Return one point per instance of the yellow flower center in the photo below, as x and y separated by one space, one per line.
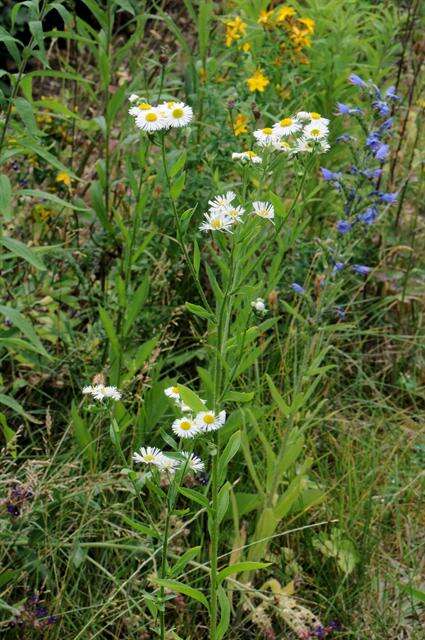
233 213
315 132
144 106
177 113
315 116
175 390
262 213
171 104
209 419
216 223
149 457
286 122
267 131
250 154
151 117
185 425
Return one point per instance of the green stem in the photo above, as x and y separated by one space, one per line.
179 230
163 572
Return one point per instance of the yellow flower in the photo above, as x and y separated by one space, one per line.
258 81
64 177
235 29
240 124
246 46
284 12
264 17
308 23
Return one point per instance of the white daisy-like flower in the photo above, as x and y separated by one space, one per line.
172 392
282 145
303 145
185 427
234 213
263 209
192 462
318 119
286 127
151 120
303 116
259 305
139 108
209 421
216 221
133 97
178 114
264 137
248 156
100 392
168 465
315 131
324 146
149 455
219 203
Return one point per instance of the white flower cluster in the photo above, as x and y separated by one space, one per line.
222 213
304 132
100 392
187 426
149 118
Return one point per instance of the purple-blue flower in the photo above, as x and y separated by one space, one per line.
343 109
297 288
330 175
357 80
390 93
373 140
361 269
343 226
382 107
382 152
369 216
389 198
387 125
372 173
344 138
338 266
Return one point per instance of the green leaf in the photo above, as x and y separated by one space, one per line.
239 567
197 310
108 325
26 113
178 165
180 587
190 398
178 186
223 501
82 435
10 437
5 197
13 404
37 193
224 602
184 560
194 496
238 396
25 327
36 29
21 250
278 398
139 526
229 452
138 299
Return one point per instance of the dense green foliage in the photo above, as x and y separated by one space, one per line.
308 510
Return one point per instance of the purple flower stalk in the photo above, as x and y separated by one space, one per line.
391 94
297 288
382 152
361 269
330 175
369 216
357 80
343 226
382 107
388 198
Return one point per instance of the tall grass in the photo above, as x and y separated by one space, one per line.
305 514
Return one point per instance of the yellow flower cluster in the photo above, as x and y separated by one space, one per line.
258 81
235 29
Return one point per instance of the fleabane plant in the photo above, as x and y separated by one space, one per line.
237 225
